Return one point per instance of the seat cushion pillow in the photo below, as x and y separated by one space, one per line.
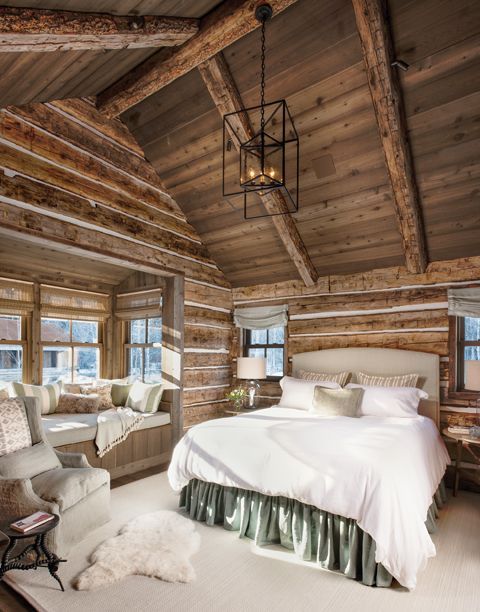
68 486
104 392
143 397
47 395
120 393
72 403
14 427
29 462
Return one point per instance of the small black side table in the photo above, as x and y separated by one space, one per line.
43 557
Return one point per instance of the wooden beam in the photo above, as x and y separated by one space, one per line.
219 81
226 24
377 46
33 29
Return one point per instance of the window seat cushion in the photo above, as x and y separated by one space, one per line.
62 429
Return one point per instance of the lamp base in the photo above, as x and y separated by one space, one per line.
251 387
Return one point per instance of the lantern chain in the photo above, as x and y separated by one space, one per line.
262 82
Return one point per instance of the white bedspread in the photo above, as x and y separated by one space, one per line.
383 472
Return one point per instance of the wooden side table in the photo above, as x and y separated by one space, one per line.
466 442
42 556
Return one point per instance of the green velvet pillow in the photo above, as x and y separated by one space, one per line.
120 393
336 402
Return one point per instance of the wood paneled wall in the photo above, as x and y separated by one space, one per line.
75 181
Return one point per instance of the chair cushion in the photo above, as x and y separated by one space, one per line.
68 486
28 462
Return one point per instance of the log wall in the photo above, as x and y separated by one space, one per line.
73 180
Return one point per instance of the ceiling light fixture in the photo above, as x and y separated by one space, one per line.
266 147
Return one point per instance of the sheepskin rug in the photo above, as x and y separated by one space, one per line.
158 544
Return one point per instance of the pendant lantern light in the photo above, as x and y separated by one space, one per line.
261 144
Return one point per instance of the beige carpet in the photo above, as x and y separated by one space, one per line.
234 576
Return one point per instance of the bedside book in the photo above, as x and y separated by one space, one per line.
30 522
459 429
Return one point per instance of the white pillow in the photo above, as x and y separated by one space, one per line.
389 401
144 397
297 393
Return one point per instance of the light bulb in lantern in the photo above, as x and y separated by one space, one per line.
251 173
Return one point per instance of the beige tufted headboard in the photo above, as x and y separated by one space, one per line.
380 361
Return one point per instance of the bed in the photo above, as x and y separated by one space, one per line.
356 495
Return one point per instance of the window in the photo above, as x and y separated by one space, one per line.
11 348
269 343
143 352
466 346
70 350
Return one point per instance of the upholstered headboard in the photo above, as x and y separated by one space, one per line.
380 361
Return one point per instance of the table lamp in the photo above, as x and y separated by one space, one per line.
472 383
251 369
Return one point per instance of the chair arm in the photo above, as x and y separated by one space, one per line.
18 499
72 460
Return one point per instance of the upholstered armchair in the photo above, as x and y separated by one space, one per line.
36 477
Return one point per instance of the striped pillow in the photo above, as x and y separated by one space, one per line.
370 380
340 377
143 397
48 395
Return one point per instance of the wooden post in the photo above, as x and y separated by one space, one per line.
172 350
36 350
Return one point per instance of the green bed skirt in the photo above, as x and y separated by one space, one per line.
334 542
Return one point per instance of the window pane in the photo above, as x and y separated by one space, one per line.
55 330
256 352
472 328
85 331
275 362
57 364
86 363
10 328
155 330
276 335
11 360
153 367
258 336
137 331
135 362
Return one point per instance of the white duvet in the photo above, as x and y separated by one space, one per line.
383 472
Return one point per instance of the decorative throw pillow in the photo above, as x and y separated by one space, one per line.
143 397
104 393
336 402
72 388
120 393
340 377
72 403
14 428
3 392
389 401
297 393
370 380
47 395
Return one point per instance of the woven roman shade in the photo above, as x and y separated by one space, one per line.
73 303
138 304
464 302
16 297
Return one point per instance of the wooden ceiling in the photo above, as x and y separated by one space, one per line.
347 218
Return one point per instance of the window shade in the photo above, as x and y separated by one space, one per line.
73 303
139 304
262 317
16 297
464 302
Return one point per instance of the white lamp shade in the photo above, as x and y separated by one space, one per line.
251 368
472 375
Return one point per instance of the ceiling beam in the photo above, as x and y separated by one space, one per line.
378 55
32 29
219 81
226 24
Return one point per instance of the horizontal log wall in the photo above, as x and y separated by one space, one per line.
72 179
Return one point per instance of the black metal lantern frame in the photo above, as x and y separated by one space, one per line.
268 156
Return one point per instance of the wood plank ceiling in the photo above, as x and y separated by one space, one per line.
347 215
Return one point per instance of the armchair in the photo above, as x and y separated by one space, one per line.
39 478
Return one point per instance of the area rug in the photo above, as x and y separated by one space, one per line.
158 544
235 576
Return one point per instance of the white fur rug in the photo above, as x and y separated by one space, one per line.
158 544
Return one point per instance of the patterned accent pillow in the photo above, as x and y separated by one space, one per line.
370 380
104 392
72 403
3 393
14 428
340 377
143 397
47 395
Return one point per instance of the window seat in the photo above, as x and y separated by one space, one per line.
62 429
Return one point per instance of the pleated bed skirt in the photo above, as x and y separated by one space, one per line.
334 542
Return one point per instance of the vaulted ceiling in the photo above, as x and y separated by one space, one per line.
347 217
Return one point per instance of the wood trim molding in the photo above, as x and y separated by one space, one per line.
39 30
224 92
226 24
378 54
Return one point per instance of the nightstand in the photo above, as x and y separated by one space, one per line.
464 441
